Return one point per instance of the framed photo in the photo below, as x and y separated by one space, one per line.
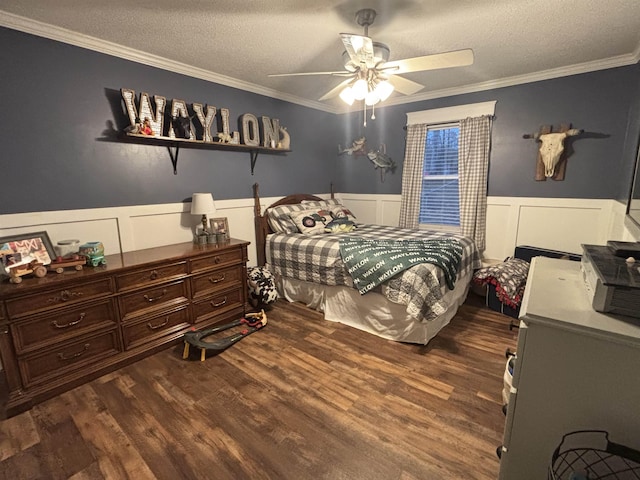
25 248
220 225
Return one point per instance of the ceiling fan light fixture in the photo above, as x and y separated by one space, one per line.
347 95
360 89
384 89
371 98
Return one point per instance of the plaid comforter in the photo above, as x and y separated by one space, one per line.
316 259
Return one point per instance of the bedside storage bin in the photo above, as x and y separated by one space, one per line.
524 252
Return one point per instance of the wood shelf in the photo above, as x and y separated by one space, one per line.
174 145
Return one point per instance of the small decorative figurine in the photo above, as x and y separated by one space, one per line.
145 129
93 252
224 137
285 139
357 148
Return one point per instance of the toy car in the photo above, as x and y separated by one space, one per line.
93 252
17 271
60 263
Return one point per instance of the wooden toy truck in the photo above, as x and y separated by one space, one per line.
60 263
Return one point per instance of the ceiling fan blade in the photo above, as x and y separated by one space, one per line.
458 58
359 48
335 91
402 85
338 73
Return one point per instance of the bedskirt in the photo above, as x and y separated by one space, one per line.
373 312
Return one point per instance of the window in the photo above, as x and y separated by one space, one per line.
439 198
431 182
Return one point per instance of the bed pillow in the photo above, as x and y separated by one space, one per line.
340 225
279 217
341 211
312 221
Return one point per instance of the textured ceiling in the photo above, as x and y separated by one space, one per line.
239 43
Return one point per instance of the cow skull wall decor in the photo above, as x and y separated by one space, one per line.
552 148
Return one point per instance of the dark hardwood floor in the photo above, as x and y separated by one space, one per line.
303 398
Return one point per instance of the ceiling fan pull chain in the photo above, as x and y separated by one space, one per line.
373 111
365 112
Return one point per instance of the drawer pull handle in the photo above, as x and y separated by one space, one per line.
219 304
64 296
216 259
155 327
154 275
217 280
62 356
153 299
70 324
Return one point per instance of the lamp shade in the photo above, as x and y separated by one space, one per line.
359 89
347 96
384 89
202 204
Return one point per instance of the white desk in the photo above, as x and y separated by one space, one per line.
576 369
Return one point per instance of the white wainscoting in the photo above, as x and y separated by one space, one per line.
122 229
554 223
559 224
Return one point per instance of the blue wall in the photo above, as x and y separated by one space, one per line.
604 104
60 101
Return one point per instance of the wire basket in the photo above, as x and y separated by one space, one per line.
589 455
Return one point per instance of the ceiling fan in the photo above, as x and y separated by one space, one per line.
369 74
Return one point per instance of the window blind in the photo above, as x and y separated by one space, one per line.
439 199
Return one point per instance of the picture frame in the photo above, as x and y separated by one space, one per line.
25 247
220 226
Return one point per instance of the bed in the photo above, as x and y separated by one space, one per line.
412 306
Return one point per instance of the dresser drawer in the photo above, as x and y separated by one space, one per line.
149 299
140 332
69 295
217 304
36 332
221 279
64 358
224 258
149 276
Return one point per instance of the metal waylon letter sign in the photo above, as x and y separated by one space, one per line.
205 116
270 132
235 136
156 118
250 130
206 120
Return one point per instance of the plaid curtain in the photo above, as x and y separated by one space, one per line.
412 176
474 143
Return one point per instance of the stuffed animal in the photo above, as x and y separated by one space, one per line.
262 287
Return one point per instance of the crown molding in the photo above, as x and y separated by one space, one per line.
603 64
27 25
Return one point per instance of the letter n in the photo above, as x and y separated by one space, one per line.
270 131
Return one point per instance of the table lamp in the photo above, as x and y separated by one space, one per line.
201 204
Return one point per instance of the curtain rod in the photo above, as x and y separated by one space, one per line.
445 123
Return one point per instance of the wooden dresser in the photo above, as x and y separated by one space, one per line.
63 330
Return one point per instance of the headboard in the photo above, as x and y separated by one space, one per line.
262 225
